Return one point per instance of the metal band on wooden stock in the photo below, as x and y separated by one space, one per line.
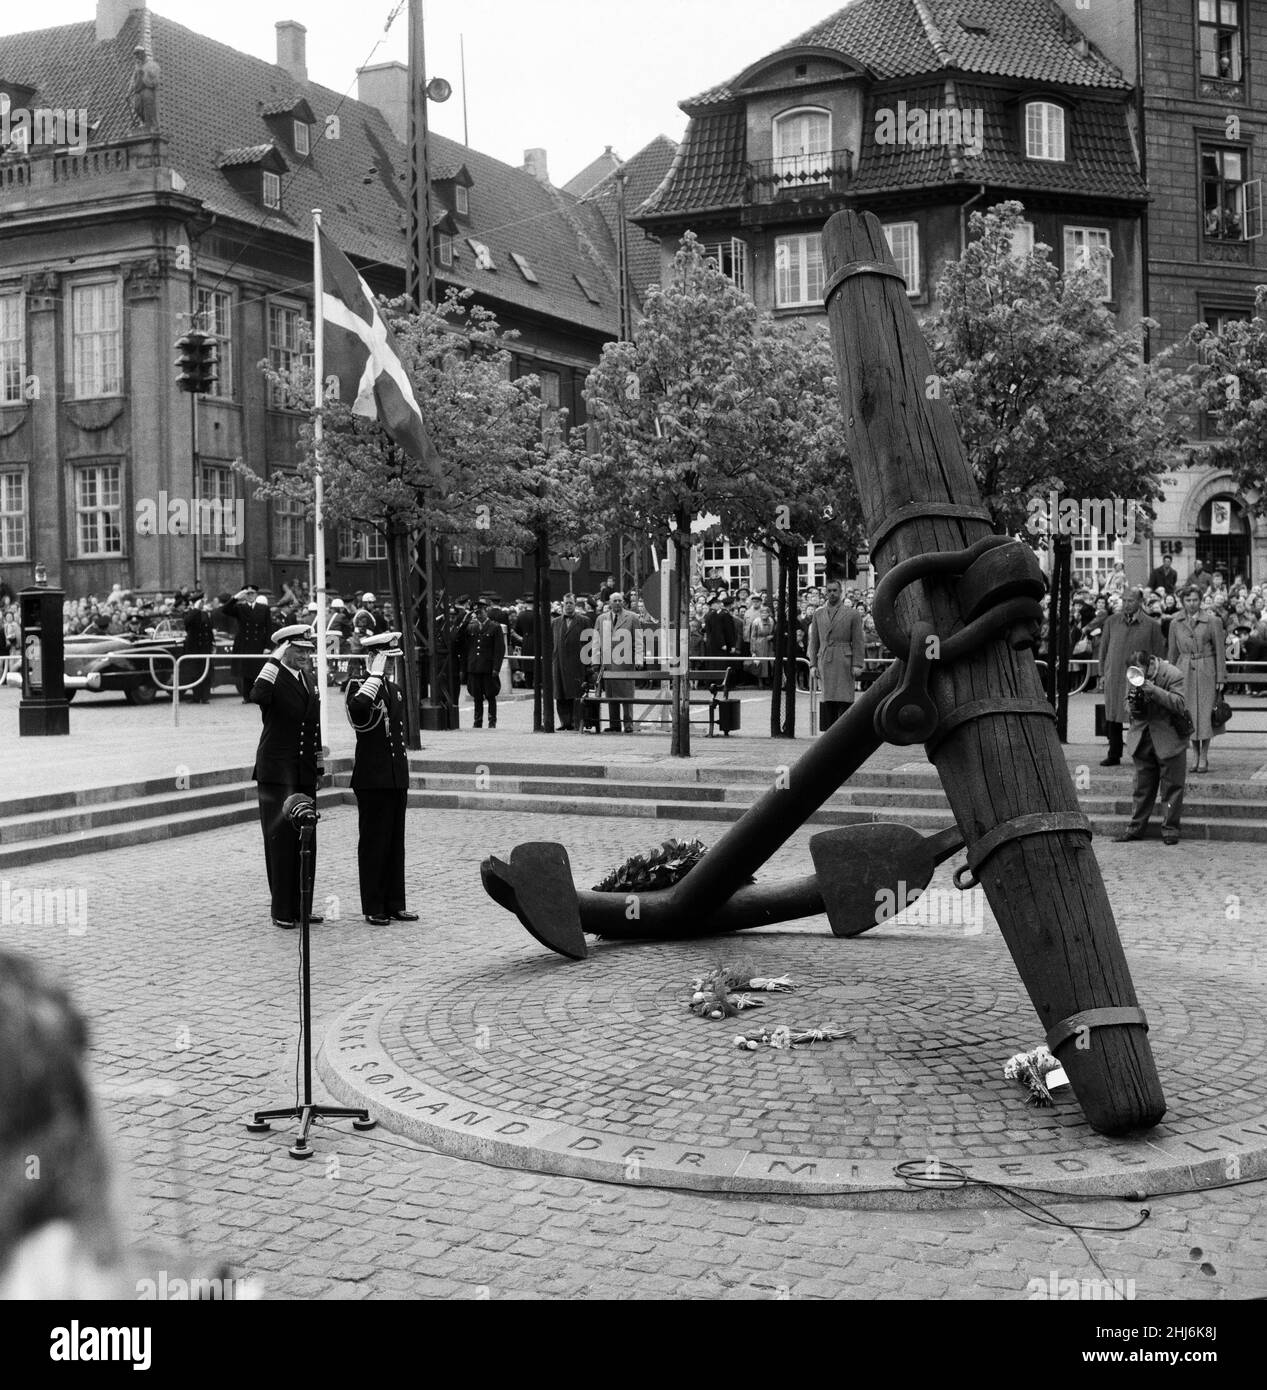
917 511
1041 823
852 268
981 709
1070 1027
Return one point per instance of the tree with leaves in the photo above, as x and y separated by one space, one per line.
675 410
1231 381
1046 392
484 423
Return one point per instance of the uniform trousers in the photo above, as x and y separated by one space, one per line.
483 686
281 850
1150 772
380 850
829 711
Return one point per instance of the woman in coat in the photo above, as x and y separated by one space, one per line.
1198 648
761 644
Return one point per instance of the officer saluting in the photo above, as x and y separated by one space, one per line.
380 779
288 760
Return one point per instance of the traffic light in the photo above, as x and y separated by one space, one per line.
198 360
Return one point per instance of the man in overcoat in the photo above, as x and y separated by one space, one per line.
837 651
1125 631
568 637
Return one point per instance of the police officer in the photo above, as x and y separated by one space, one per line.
485 652
380 779
288 760
250 611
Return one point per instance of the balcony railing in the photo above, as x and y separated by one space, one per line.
794 176
20 172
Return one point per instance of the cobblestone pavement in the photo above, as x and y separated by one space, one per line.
193 998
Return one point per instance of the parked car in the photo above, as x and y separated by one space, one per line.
137 666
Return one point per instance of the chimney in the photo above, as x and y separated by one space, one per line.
535 164
386 85
291 53
112 15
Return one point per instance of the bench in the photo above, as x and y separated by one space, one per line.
723 707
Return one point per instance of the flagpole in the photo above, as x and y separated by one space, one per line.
318 490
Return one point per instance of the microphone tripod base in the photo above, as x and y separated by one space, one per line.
305 1114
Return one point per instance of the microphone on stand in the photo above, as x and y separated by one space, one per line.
300 809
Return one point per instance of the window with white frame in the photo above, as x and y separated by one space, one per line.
285 351
446 250
1045 130
1022 241
218 497
798 270
731 258
290 529
96 340
721 560
461 203
903 239
12 347
301 137
98 509
1088 248
357 544
812 569
215 316
802 140
12 514
1221 39
272 189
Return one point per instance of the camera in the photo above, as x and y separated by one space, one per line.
1136 701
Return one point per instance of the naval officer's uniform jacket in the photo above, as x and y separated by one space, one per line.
287 760
380 779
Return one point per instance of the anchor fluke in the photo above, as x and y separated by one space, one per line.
536 885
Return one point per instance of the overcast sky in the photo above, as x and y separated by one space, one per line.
570 76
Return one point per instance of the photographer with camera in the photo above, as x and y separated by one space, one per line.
1158 742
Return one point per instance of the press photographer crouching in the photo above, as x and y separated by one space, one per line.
1158 742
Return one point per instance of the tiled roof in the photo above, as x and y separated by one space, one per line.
644 173
1100 160
593 174
280 106
1028 40
210 100
708 170
252 154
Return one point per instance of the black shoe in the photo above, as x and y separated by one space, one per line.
1111 762
404 916
1170 837
1129 838
378 921
289 926
315 919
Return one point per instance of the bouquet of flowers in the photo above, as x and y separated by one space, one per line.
786 1037
1029 1068
659 868
713 996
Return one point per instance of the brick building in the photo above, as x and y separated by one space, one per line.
200 202
920 110
1201 99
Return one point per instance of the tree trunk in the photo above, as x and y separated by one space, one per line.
400 569
1045 888
543 647
680 744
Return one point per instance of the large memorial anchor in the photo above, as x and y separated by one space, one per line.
972 697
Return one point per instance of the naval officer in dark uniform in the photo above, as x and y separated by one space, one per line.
250 611
380 779
288 760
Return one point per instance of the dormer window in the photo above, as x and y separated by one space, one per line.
1045 131
256 173
272 190
801 140
301 138
461 203
445 249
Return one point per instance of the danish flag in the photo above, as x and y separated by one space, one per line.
362 354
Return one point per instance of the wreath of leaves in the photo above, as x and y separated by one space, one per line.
660 868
